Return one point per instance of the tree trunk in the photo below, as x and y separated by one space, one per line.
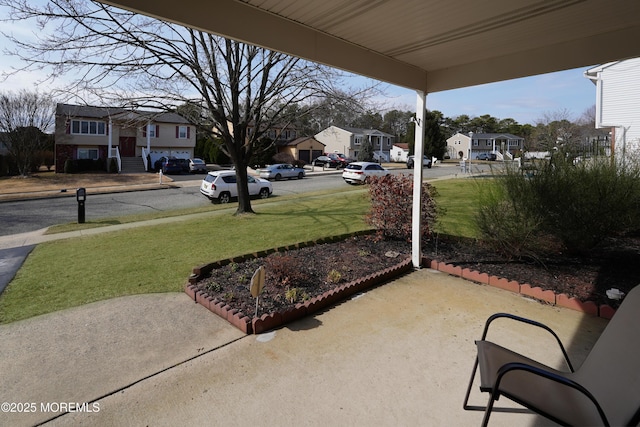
244 199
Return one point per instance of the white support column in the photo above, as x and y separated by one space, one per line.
416 213
110 137
148 137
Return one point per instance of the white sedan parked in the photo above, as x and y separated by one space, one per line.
358 172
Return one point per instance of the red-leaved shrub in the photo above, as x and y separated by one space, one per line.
391 205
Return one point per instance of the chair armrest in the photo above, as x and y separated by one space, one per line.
517 366
528 322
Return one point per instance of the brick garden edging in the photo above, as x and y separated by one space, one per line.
258 325
253 325
547 296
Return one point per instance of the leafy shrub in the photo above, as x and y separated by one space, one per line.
8 166
391 206
283 158
577 204
286 270
112 165
505 224
90 165
69 166
584 203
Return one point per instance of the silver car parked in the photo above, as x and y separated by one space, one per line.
280 171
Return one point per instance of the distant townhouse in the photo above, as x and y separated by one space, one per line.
132 137
503 145
618 103
347 140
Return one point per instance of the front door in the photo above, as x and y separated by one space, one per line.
127 146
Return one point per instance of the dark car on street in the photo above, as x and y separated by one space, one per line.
171 165
487 156
327 161
332 160
426 162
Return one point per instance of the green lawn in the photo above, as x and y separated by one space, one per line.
459 200
68 273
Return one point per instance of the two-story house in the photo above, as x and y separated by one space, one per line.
618 103
347 140
503 145
132 137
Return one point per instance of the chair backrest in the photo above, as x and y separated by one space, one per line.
612 370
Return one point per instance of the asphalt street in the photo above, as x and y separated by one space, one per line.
10 262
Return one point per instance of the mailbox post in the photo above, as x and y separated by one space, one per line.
81 196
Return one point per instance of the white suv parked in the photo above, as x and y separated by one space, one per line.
221 186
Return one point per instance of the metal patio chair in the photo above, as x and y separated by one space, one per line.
605 390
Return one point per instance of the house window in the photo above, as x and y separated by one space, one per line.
476 142
358 140
88 127
182 132
151 131
88 153
513 143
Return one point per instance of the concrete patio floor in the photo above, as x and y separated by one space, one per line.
400 354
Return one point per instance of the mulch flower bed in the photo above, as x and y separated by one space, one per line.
304 278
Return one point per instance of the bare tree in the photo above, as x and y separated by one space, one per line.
24 119
238 91
556 131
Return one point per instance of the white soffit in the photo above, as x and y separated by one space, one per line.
427 45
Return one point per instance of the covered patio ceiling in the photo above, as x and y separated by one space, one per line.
426 45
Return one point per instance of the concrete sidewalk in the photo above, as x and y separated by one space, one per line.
400 354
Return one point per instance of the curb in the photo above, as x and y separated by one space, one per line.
50 194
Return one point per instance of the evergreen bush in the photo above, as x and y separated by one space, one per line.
578 204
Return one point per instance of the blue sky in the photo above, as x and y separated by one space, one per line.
526 100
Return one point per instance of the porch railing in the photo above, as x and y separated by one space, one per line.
115 152
144 158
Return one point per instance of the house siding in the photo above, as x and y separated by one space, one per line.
619 103
336 139
339 140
